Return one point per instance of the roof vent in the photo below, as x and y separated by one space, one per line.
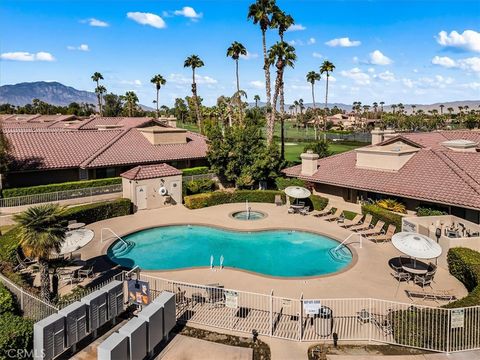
461 145
158 135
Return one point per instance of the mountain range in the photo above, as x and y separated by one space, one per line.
58 94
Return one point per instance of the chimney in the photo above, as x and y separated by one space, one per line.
309 163
377 136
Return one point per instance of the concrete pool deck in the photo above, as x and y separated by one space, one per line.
368 277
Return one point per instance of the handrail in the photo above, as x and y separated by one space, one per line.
113 232
347 238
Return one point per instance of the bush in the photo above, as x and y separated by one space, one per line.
7 304
199 170
8 246
199 186
316 202
73 185
379 213
464 264
283 183
99 211
392 205
423 211
15 333
199 201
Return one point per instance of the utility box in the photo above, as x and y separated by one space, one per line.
115 298
115 347
167 300
75 322
96 309
153 315
136 332
49 337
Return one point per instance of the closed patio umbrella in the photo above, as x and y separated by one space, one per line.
416 245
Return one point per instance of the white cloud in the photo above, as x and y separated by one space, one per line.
343 42
444 61
181 79
311 41
355 59
471 64
468 40
95 22
377 58
147 19
249 56
408 83
81 47
136 83
371 70
293 42
26 56
296 27
357 75
188 12
257 84
317 55
386 76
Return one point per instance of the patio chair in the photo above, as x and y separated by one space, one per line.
88 272
363 226
335 216
304 211
324 212
424 280
355 221
23 263
384 237
66 278
216 296
278 200
376 230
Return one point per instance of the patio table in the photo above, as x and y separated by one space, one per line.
418 268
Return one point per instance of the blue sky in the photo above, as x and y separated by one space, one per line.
392 51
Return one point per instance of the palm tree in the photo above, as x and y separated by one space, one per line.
313 76
327 67
194 61
280 55
234 51
413 108
96 77
296 103
257 99
131 100
41 232
99 91
441 109
158 81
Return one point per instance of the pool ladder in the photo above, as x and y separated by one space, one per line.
123 249
341 252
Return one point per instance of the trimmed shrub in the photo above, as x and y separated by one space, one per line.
316 202
423 211
15 333
283 183
73 185
7 304
464 264
8 246
199 186
199 201
379 213
199 170
99 211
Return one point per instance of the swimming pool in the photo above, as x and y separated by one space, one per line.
280 253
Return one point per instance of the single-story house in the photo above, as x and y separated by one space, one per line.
437 169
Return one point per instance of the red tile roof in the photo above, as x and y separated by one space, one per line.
434 174
125 122
143 172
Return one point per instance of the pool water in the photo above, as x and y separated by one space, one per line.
280 253
250 215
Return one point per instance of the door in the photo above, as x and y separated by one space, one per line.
141 197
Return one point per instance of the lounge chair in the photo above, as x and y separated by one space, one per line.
439 295
384 237
363 226
23 263
324 212
376 230
278 200
355 221
88 272
335 216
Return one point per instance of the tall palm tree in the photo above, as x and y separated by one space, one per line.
257 99
313 76
158 81
413 108
280 55
131 100
296 103
260 12
327 67
96 77
194 62
41 232
441 109
99 91
234 51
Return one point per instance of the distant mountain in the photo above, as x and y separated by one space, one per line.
53 93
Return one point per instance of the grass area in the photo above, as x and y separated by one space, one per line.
292 152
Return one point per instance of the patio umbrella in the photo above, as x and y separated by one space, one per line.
75 240
297 192
416 245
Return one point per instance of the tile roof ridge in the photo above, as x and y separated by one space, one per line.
86 122
34 117
85 163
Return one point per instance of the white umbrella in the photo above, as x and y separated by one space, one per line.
416 245
297 192
75 240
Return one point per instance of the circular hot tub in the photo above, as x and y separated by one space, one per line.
248 215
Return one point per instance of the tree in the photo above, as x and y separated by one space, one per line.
96 77
313 76
180 109
158 81
327 67
99 91
194 62
320 147
5 149
41 232
112 105
280 55
131 100
257 99
234 51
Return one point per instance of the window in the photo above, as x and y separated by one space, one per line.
83 174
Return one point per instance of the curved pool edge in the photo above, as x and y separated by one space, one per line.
352 263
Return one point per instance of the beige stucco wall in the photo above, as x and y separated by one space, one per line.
173 184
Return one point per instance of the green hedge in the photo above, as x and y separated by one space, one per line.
16 333
8 246
99 211
316 202
424 211
73 185
7 304
196 171
223 197
283 183
464 264
379 213
199 186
